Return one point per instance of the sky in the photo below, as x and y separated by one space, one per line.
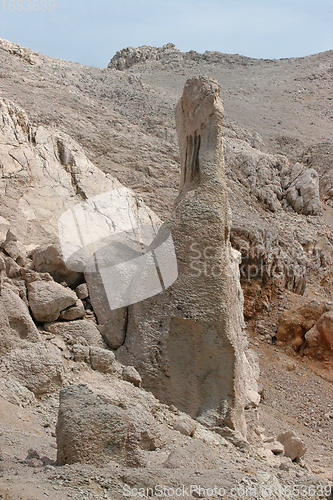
91 31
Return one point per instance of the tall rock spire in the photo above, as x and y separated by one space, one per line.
188 342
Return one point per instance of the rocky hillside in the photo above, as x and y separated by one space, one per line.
70 132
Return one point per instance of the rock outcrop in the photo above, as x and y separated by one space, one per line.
126 58
188 343
308 329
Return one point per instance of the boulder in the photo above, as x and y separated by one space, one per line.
101 359
195 456
293 445
7 340
77 332
37 367
81 353
47 299
313 337
49 259
16 393
188 342
89 430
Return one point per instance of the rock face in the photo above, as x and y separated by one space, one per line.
45 172
188 343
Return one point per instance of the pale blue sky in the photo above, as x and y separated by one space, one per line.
90 32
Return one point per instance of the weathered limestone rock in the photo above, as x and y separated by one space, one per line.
18 316
293 446
77 332
81 353
47 299
16 325
188 342
185 425
15 249
13 270
44 173
39 368
89 430
73 312
4 228
14 392
48 259
131 375
302 189
82 291
101 359
111 323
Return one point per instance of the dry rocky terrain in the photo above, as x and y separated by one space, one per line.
70 132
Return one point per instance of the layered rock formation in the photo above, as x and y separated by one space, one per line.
188 343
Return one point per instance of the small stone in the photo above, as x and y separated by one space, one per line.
185 425
131 375
82 291
290 365
101 359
